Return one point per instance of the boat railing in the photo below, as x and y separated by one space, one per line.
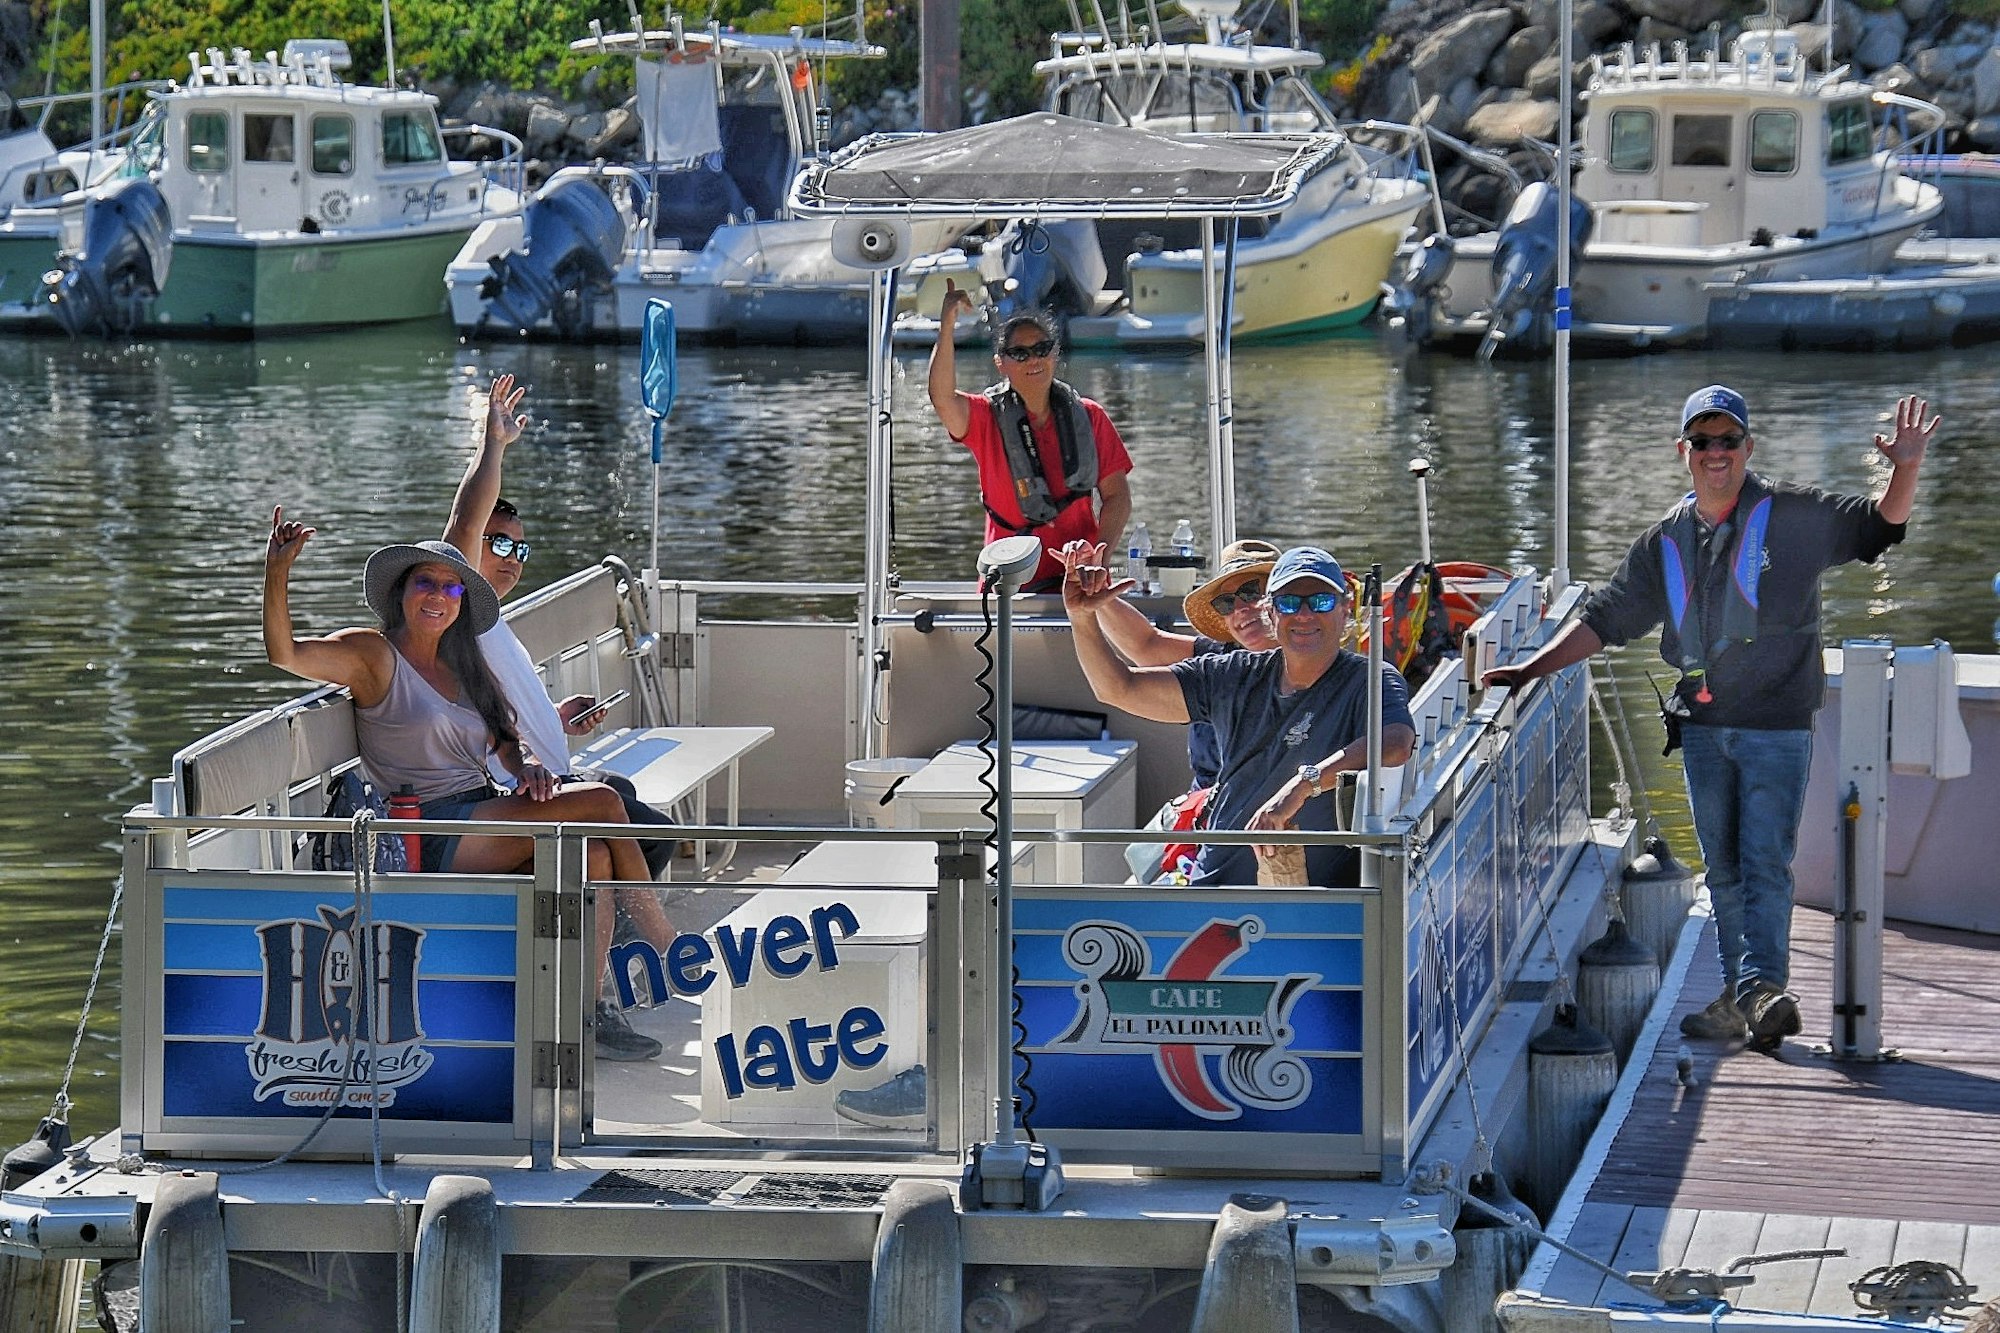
221 844
118 94
112 139
508 171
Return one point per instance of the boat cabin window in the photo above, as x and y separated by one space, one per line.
409 136
1849 136
1701 141
1291 106
1632 139
208 141
333 145
1774 142
267 138
1181 103
1110 100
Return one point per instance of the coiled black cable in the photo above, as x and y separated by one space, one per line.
989 702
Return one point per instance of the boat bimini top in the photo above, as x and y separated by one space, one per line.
1047 167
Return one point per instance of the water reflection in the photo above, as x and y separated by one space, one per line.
136 483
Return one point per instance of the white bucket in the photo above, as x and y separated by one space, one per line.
869 784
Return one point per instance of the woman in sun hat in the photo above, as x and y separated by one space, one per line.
427 712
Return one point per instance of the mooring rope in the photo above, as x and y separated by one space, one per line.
59 1108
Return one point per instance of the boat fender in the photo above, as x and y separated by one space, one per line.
38 1154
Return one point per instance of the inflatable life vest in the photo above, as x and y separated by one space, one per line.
1078 442
1680 568
1426 611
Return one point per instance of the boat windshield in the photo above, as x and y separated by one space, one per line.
1184 100
149 140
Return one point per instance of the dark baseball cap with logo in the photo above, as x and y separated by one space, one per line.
1716 398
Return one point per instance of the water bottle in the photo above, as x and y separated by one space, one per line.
405 805
1183 538
1135 556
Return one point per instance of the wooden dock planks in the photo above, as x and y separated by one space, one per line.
1892 1161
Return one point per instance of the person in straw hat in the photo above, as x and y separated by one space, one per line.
427 712
1287 720
1227 614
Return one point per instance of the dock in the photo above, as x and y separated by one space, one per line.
1891 1161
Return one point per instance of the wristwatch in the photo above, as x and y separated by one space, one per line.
1309 774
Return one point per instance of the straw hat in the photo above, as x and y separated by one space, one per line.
1238 559
390 563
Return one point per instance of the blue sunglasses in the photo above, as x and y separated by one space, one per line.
1290 603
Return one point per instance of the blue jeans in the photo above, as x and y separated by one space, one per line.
1747 789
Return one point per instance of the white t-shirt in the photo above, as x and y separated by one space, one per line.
534 712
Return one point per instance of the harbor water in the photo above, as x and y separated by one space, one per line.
136 487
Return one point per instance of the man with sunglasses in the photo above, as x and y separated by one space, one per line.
1286 721
1731 575
1048 457
490 527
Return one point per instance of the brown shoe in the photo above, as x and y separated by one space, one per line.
1721 1021
1772 1014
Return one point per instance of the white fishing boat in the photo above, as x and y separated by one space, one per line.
262 195
36 178
728 119
1706 179
1315 268
1214 1109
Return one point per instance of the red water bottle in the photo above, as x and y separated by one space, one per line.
405 805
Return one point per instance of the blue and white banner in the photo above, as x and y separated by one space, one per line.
1165 1014
280 1002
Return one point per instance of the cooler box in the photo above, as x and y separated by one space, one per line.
1057 784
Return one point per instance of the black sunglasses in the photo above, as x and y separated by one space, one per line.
504 546
1248 594
1034 351
1701 444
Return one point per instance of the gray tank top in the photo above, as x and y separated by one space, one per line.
416 736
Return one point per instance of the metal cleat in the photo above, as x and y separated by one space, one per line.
1688 1286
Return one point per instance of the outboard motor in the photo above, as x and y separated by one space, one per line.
572 237
128 240
1409 301
1056 266
1524 268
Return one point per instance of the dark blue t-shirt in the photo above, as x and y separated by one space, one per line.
1265 736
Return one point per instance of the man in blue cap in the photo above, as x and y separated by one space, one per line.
1731 574
1286 721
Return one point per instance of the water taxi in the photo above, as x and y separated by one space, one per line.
928 1061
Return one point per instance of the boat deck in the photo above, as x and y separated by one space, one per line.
1891 1161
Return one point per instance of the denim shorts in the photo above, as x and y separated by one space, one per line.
440 849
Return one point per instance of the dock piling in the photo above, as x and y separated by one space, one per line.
455 1284
184 1258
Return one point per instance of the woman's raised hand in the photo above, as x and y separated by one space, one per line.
288 538
504 423
954 301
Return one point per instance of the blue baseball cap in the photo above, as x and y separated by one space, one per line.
1716 398
1305 562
